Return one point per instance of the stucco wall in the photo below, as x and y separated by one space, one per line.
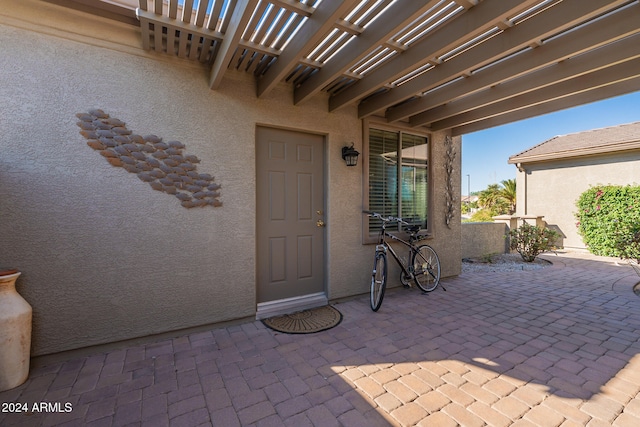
483 238
105 258
445 238
551 189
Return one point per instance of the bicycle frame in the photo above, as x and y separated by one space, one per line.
413 269
383 245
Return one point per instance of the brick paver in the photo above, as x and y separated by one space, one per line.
551 347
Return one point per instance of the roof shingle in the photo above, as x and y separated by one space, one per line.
597 141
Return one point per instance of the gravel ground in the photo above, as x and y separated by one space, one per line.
502 262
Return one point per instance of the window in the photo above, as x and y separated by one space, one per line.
397 176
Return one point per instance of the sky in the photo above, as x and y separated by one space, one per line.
485 153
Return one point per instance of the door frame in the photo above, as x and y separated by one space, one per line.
303 302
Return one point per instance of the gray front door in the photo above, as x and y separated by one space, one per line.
290 214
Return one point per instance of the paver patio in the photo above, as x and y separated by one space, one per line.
552 347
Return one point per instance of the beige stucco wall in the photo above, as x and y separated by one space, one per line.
483 238
551 189
445 238
104 258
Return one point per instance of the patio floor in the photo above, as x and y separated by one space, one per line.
552 347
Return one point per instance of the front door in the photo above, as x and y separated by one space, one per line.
290 217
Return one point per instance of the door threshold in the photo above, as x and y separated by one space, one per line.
290 305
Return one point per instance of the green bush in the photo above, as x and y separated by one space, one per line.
629 245
483 215
530 241
609 220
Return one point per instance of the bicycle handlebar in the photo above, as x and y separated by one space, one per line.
386 218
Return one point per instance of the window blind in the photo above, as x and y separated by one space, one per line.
397 176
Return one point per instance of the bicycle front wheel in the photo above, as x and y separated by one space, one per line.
426 268
378 280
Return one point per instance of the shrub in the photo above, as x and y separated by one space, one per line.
530 241
629 246
483 215
609 220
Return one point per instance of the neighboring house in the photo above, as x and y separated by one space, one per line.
552 175
469 201
263 95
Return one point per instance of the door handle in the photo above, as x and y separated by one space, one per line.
320 223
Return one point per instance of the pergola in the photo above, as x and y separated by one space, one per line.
464 65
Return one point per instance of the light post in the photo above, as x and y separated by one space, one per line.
469 191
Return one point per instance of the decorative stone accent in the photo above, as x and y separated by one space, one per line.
162 165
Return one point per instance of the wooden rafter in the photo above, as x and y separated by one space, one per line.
314 29
601 78
399 15
583 39
239 19
468 25
556 104
440 64
542 73
568 14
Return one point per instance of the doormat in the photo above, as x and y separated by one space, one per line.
305 322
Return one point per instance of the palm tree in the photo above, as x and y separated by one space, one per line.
490 196
508 193
499 199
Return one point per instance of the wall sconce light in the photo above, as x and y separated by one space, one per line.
350 155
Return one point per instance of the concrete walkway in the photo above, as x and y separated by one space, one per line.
553 347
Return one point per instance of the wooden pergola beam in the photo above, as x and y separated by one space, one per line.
604 31
395 17
598 94
598 79
177 24
608 56
566 15
312 32
467 26
239 19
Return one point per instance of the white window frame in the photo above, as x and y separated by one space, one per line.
369 237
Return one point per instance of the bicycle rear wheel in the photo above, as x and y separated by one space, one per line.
378 280
426 268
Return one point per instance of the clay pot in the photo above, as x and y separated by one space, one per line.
15 332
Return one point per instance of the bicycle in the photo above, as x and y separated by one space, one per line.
423 267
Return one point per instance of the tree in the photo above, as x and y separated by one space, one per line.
495 200
492 200
489 197
508 193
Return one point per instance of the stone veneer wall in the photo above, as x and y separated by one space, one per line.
162 164
105 259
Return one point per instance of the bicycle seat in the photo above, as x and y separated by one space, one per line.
412 229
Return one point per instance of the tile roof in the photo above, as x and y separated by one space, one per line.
596 141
